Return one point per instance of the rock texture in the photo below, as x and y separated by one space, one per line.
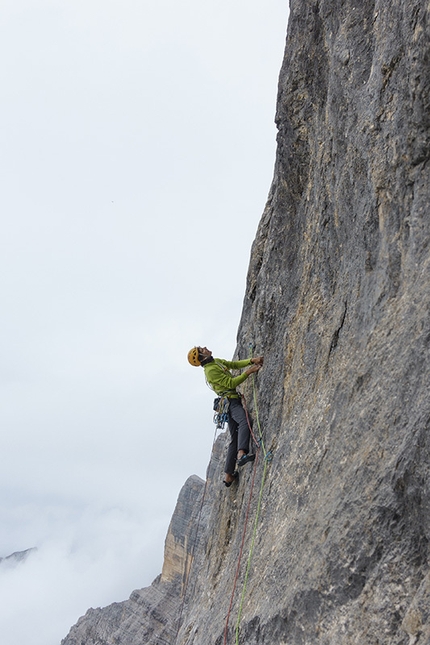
338 300
151 614
180 543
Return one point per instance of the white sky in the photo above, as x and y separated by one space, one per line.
132 131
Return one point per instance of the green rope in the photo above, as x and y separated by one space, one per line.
251 551
257 418
257 514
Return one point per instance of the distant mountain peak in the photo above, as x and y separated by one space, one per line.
17 556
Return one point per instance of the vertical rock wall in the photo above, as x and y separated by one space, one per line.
338 300
151 614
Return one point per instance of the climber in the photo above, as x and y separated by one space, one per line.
220 379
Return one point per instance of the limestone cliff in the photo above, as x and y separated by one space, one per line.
151 614
338 301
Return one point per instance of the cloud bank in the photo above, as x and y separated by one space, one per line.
136 162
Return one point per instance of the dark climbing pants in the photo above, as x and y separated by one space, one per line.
239 432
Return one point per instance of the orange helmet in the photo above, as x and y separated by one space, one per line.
193 357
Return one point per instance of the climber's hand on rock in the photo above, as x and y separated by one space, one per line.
258 360
253 369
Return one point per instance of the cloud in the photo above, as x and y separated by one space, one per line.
101 555
136 162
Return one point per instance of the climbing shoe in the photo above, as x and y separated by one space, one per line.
244 460
235 475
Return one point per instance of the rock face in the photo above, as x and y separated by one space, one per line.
181 537
329 543
151 615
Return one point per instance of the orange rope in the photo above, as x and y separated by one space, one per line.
245 525
240 550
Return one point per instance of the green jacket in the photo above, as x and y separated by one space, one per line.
221 380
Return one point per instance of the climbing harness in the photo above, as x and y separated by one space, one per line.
267 455
221 407
221 403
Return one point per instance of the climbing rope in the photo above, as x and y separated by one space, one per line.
251 549
267 458
251 552
239 560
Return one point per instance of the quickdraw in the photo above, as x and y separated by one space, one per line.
221 406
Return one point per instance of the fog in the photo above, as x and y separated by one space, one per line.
138 146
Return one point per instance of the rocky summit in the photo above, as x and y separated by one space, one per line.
325 538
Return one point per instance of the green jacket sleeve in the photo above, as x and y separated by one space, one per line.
221 380
235 365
